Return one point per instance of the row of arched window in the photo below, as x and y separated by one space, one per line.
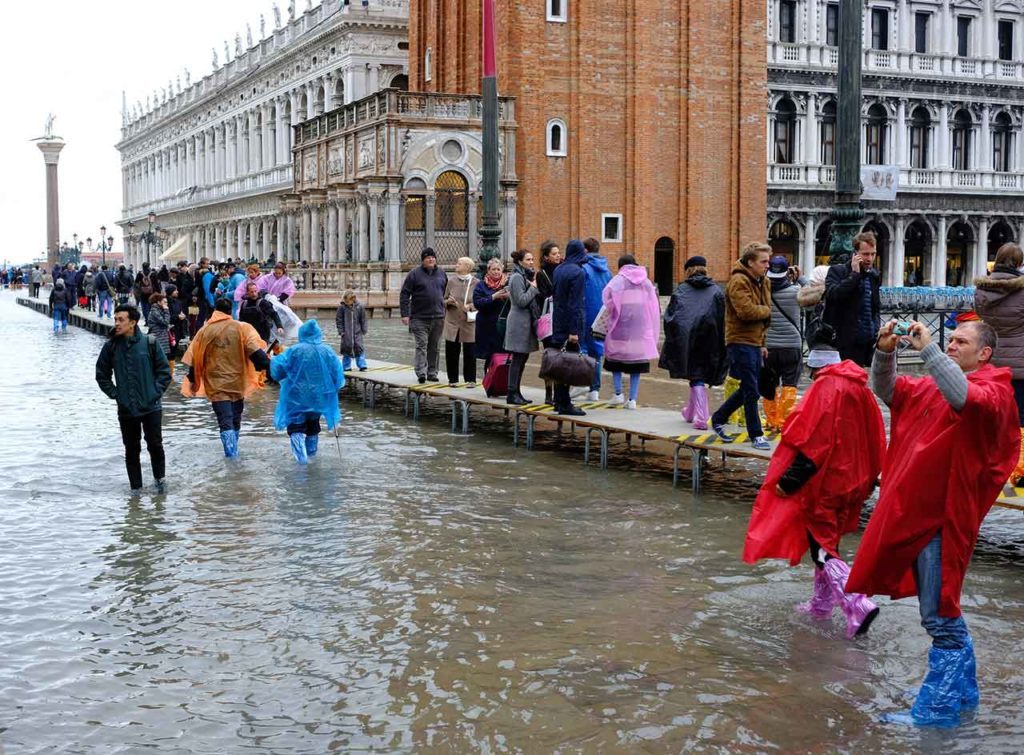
876 135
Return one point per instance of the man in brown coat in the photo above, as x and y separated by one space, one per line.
748 310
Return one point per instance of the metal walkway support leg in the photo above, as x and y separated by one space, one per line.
697 456
531 422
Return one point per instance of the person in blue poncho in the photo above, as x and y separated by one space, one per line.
310 374
595 268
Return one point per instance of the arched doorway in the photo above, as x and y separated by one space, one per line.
784 239
881 231
917 242
451 217
821 241
664 265
414 197
959 241
401 81
1000 233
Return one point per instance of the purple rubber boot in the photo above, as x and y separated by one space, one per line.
821 604
701 411
688 408
859 611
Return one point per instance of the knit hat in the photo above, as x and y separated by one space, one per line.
696 261
822 358
428 252
778 267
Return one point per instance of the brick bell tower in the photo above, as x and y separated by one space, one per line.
641 123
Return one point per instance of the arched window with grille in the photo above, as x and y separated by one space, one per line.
920 130
451 217
962 125
557 136
1002 147
874 136
785 131
828 133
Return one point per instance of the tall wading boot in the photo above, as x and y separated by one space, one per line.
859 611
1017 476
785 404
298 441
229 439
701 409
822 603
941 698
312 444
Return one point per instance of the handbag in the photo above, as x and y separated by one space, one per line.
470 314
567 367
502 324
599 328
545 325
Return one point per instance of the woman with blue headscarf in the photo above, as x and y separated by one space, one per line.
310 374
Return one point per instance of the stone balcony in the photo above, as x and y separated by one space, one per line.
911 179
904 62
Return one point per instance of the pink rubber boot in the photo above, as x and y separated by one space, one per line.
857 608
701 411
688 408
821 604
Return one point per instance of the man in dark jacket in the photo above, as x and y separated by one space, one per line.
422 306
104 293
123 283
852 304
568 322
140 375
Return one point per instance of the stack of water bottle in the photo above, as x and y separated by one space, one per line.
927 298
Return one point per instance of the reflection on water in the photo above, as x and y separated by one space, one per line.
416 590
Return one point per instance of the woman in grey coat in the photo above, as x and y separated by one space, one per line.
158 323
520 327
784 342
351 322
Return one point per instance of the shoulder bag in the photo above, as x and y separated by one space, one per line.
544 322
567 367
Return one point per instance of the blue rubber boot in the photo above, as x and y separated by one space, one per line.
229 439
312 442
969 694
298 441
940 700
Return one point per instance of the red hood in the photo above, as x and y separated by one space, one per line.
845 369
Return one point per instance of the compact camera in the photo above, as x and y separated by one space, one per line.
902 328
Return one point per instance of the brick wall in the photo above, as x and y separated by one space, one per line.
664 102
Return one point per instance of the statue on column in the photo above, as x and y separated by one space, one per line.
227 52
277 16
48 128
248 34
188 78
215 64
238 44
263 27
291 10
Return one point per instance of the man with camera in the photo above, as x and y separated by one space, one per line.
852 304
953 442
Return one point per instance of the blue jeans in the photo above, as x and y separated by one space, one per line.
745 366
595 384
60 319
946 633
634 385
106 305
229 414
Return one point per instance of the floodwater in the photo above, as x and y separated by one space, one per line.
421 591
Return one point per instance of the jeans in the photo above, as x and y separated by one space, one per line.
60 319
132 430
229 414
427 335
452 349
634 385
310 425
946 633
595 384
744 365
106 305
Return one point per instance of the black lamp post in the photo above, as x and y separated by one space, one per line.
490 231
106 244
847 209
150 236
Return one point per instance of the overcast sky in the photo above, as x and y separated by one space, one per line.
73 58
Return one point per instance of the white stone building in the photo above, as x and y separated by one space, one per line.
212 159
943 99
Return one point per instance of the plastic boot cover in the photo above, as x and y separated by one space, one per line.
771 418
969 695
701 410
298 441
229 440
689 407
859 611
821 604
785 404
312 443
939 701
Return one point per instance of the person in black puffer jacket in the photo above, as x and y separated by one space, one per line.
569 318
260 313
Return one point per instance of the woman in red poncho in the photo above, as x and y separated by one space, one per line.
823 470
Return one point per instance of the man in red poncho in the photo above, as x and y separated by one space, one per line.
826 465
953 442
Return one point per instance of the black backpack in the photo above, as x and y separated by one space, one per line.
819 332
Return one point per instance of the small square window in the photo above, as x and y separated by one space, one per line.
611 226
557 10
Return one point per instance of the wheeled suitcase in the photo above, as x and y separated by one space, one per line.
496 379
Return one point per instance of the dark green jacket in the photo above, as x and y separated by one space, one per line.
140 373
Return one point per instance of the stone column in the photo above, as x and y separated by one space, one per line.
343 231
428 219
329 103
266 140
240 229
898 263
473 206
902 150
208 243
984 162
373 84
242 138
289 242
811 156
332 232
980 251
304 253
255 164
942 161
314 235
939 255
296 118
231 151
807 251
363 214
281 130
373 199
310 100
904 22
267 232
254 239
51 147
218 242
393 225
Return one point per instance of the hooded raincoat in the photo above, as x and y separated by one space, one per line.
634 317
694 346
310 375
282 288
838 426
219 354
569 299
943 471
597 276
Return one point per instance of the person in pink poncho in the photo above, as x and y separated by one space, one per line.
631 323
278 283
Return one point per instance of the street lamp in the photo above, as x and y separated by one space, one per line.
131 237
106 244
150 237
490 232
848 210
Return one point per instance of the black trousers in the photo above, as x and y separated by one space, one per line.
515 371
309 426
562 400
452 349
132 430
229 414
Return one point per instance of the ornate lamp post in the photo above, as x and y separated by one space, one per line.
106 244
490 232
150 237
847 210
